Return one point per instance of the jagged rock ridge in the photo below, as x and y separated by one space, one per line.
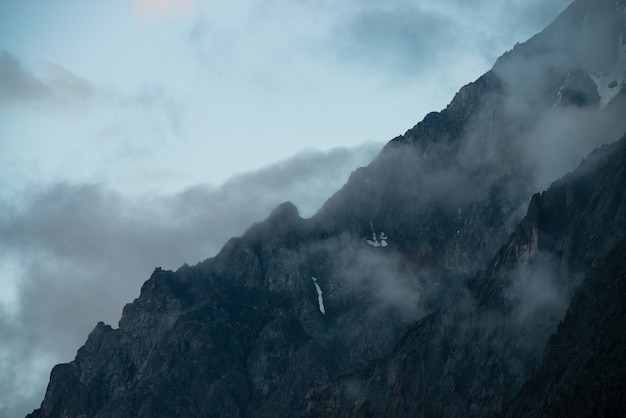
244 333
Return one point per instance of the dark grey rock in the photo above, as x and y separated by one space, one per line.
471 356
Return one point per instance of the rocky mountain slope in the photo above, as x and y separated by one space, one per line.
470 356
582 372
319 306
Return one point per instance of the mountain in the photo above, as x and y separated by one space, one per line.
442 233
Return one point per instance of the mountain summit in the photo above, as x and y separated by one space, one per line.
437 281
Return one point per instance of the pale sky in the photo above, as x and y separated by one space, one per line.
143 133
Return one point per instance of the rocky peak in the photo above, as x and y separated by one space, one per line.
284 213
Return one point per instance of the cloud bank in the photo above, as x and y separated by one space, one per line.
74 254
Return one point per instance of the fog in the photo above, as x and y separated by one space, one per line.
74 254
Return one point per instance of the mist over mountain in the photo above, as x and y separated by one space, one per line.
446 278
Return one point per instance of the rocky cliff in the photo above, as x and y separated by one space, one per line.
582 372
320 306
472 355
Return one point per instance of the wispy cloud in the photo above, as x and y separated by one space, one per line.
55 86
408 38
16 84
74 254
164 9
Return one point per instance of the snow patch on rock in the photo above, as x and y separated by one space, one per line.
320 299
377 240
611 82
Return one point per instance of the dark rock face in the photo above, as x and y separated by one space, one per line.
583 373
578 90
471 356
294 304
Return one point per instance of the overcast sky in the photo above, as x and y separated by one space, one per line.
145 133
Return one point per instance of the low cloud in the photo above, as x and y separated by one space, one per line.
537 291
75 254
56 86
563 138
374 273
52 87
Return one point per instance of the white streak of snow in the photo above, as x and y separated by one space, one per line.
380 241
320 299
616 76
